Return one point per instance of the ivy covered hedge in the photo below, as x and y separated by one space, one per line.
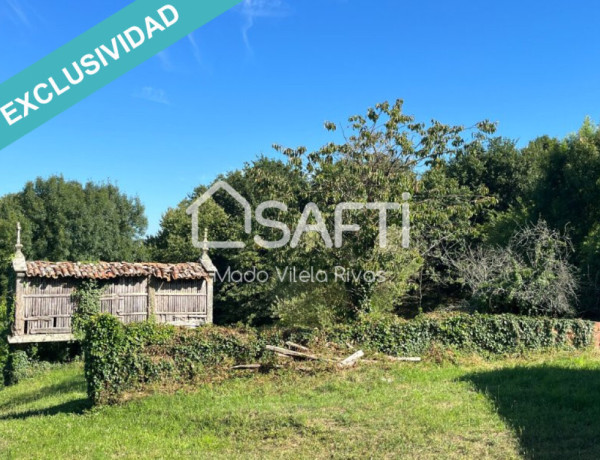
484 334
122 357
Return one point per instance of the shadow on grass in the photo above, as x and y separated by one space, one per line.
61 394
41 393
555 411
74 407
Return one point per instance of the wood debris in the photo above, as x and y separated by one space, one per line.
297 346
351 360
246 366
404 358
295 354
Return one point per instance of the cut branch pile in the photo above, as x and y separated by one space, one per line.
305 354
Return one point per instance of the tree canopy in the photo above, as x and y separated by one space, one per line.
471 197
66 220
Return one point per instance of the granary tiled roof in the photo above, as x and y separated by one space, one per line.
109 270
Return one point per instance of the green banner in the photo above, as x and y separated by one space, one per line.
97 57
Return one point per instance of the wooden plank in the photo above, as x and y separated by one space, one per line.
132 313
246 366
195 323
49 295
404 358
151 298
297 346
41 338
296 354
351 360
50 330
182 313
46 318
208 287
180 294
118 296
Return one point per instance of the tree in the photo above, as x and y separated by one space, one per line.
262 180
506 171
65 220
381 156
384 154
567 197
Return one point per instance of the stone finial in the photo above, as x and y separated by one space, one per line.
205 243
205 259
19 263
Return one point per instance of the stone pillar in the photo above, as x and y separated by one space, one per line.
20 267
211 270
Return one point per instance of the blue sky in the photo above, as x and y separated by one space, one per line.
271 71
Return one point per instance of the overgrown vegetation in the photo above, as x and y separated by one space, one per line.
122 357
20 366
87 300
119 357
4 332
468 190
482 334
493 226
530 276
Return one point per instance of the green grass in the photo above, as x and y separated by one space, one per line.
542 407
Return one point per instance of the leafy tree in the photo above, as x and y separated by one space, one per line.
509 175
262 180
70 221
382 155
567 193
65 220
566 196
506 171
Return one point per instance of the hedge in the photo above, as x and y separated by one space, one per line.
484 334
121 357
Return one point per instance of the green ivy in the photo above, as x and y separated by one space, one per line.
484 334
87 301
122 357
119 357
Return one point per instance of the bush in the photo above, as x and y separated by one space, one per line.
312 305
4 333
531 276
484 334
21 365
17 367
120 357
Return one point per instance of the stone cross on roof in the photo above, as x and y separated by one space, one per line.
19 263
205 259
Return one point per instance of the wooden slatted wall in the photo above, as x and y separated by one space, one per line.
182 303
48 304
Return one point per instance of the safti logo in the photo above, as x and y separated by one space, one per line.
311 209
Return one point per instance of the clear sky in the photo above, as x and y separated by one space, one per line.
271 71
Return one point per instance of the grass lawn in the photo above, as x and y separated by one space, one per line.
546 406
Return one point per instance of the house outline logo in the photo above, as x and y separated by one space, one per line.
303 226
194 209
